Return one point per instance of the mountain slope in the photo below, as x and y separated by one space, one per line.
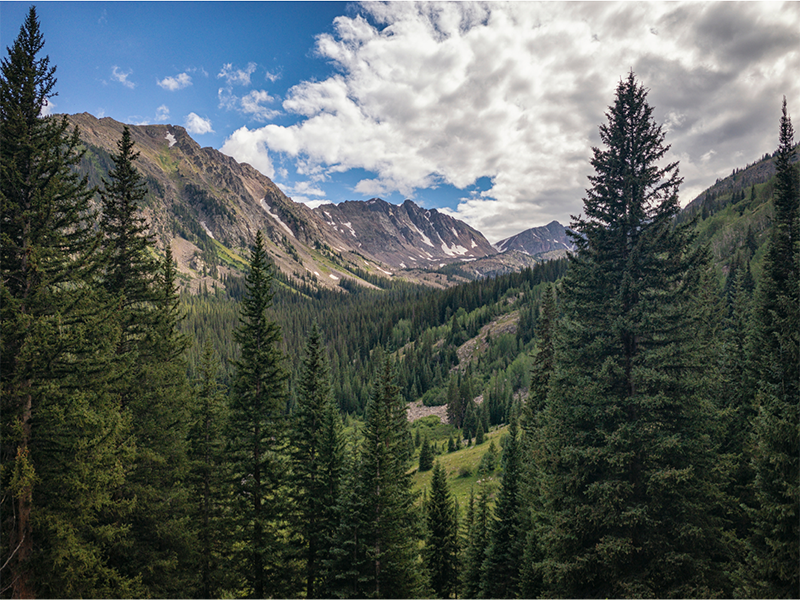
538 241
405 236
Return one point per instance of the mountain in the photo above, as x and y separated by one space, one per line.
405 236
550 241
208 207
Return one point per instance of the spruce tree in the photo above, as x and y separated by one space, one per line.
501 567
317 447
63 449
154 391
376 553
256 434
425 456
477 543
441 542
209 480
631 496
774 348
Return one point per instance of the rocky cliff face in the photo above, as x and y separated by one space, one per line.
406 236
545 242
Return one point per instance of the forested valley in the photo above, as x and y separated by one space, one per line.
619 423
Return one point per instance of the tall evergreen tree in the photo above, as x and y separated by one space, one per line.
257 433
317 451
631 490
152 386
500 569
476 544
379 533
209 480
441 542
775 348
62 451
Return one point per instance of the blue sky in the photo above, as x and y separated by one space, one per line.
486 111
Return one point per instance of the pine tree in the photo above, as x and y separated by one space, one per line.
209 480
317 447
376 553
425 456
441 542
532 442
500 569
631 493
62 432
160 544
256 433
776 340
130 267
477 543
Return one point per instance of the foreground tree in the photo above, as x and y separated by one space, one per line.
501 567
62 451
776 340
257 434
631 499
209 479
376 554
441 542
317 452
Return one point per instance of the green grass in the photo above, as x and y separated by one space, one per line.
455 462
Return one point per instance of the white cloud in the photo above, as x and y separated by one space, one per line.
236 76
197 125
248 147
451 92
47 108
252 104
122 77
178 82
162 113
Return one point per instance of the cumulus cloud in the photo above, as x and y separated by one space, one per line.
253 104
122 77
447 93
249 147
196 124
307 192
176 83
162 113
237 76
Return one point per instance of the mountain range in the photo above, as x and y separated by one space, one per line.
209 207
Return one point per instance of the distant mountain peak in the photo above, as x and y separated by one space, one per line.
537 241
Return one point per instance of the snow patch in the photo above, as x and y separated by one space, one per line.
474 245
208 231
172 141
403 266
265 206
455 233
350 227
454 250
334 277
425 238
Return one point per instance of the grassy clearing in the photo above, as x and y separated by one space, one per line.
458 464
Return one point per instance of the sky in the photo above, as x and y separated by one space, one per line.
485 111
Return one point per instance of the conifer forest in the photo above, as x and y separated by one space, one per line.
635 435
